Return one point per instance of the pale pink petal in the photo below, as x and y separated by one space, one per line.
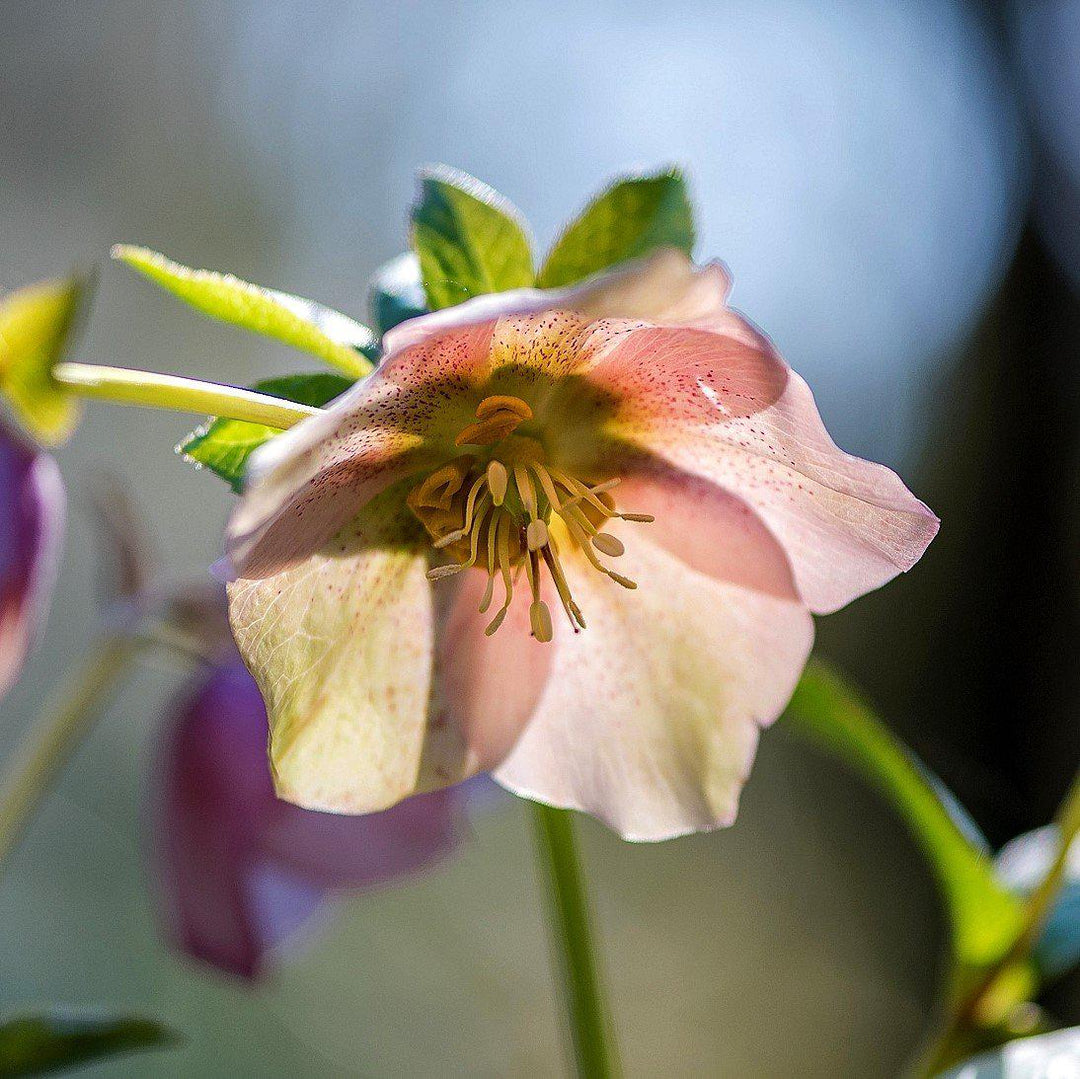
650 719
378 684
707 528
31 532
666 287
486 687
304 485
733 414
341 648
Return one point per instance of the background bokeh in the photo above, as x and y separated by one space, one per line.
897 190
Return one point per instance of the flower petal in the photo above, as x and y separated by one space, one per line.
31 531
341 647
707 528
239 870
717 407
651 720
379 687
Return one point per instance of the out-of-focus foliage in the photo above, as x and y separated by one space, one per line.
627 220
1048 1056
36 327
984 916
468 238
1022 864
397 293
36 1044
224 445
304 324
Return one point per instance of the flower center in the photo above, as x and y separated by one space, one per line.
498 508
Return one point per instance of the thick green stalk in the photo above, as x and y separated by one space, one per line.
65 719
572 940
172 392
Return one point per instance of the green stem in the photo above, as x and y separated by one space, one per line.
572 939
67 715
125 387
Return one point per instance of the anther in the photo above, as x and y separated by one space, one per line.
608 544
540 620
497 479
536 535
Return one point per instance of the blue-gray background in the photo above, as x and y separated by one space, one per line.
866 170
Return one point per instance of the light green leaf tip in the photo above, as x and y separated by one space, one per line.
224 446
37 324
60 1040
984 917
468 238
303 324
633 216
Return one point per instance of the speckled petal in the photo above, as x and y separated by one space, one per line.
341 647
31 531
720 409
707 528
651 719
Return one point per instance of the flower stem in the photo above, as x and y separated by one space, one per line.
67 715
572 940
125 387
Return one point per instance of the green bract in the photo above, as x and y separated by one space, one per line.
36 325
304 324
984 917
224 446
468 238
628 220
36 1044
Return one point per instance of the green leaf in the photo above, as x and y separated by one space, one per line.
468 238
397 293
224 446
1021 865
1044 1057
304 324
37 326
984 916
36 1044
628 220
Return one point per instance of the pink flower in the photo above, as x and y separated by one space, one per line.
240 872
31 530
573 538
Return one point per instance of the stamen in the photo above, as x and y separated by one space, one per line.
540 620
536 535
463 505
608 544
497 479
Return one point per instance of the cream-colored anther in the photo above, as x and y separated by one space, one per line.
536 535
497 480
608 544
540 620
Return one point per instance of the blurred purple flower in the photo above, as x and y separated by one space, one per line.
241 871
31 529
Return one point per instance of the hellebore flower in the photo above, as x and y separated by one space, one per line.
239 871
397 559
31 531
